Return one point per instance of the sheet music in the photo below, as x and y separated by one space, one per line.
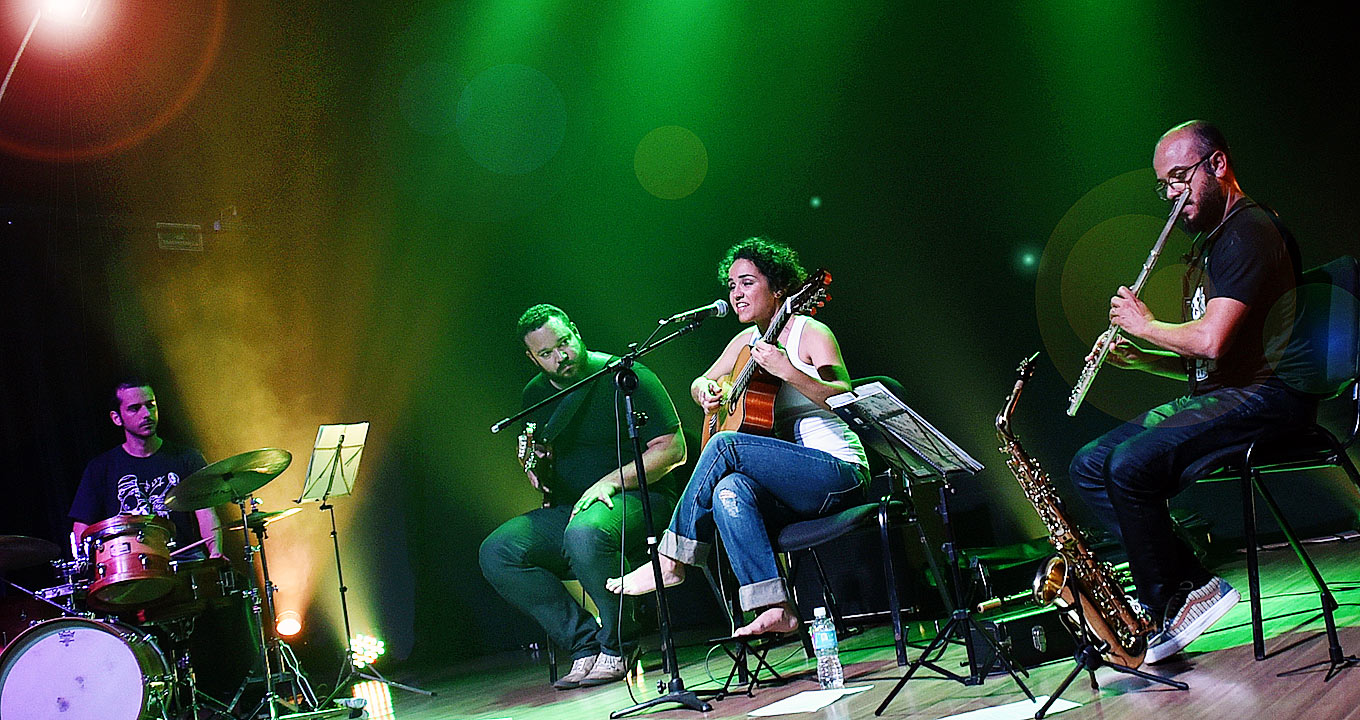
327 475
873 407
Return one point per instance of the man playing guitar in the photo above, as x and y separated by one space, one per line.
813 465
590 502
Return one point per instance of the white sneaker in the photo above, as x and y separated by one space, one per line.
1203 607
580 668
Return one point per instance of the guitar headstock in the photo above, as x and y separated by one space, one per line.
525 450
811 295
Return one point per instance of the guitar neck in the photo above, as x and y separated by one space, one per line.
777 323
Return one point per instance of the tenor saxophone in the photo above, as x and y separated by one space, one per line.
1106 340
1073 579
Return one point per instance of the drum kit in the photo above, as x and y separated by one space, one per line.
131 606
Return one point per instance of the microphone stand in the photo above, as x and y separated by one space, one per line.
625 378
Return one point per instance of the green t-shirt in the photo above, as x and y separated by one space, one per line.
587 447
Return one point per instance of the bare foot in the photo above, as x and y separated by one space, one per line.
778 619
642 580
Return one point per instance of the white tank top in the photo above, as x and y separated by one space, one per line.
798 419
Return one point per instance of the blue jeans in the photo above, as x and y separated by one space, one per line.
527 558
1127 475
761 485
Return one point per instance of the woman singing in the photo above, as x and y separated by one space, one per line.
743 483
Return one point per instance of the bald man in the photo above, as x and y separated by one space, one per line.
1229 344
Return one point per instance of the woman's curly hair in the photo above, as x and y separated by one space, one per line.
776 261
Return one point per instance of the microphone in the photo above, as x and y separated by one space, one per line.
719 308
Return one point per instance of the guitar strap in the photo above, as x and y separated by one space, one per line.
564 412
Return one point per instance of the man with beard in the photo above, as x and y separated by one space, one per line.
1230 347
135 477
592 503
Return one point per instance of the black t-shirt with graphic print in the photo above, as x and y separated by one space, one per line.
117 483
1254 260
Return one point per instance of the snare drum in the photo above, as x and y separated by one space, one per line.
78 669
130 555
199 585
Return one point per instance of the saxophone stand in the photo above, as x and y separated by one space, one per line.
1088 658
625 378
331 473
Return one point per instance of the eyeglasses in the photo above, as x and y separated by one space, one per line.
1179 179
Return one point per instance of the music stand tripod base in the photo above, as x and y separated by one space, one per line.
961 623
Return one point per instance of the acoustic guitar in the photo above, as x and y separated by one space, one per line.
750 390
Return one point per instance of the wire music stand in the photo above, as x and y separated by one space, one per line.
921 453
331 473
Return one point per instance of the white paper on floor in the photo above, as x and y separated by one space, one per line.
1018 710
806 701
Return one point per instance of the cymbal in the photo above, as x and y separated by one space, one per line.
257 519
21 551
229 479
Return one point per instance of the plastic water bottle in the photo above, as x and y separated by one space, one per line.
824 643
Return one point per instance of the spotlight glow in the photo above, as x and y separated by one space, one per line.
67 11
288 624
379 697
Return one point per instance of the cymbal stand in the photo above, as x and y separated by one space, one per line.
261 594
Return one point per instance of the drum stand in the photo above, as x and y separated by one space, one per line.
181 661
261 594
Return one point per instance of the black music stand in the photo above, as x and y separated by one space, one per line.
913 447
331 473
625 378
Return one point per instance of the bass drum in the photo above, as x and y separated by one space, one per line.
78 669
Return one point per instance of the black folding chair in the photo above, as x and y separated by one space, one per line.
1328 334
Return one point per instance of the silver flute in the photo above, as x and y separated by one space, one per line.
1096 357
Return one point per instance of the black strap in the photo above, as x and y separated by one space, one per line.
566 410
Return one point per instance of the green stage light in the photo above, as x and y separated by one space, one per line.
365 650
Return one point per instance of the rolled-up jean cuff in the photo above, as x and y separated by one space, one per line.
762 594
683 549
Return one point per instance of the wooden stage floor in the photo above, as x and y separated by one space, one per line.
1225 682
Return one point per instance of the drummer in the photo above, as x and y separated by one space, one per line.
135 477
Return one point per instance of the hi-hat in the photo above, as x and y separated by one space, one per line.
21 551
257 519
229 480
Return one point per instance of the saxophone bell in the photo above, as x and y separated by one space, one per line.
1050 581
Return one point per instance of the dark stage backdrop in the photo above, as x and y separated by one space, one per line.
383 187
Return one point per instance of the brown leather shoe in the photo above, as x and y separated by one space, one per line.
608 668
580 670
